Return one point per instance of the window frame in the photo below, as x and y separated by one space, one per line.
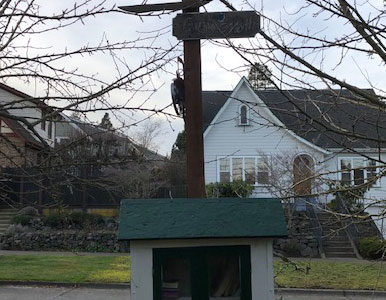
365 160
247 123
243 157
43 120
50 129
197 257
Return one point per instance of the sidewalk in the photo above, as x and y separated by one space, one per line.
71 292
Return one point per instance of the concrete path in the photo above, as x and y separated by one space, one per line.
48 293
73 293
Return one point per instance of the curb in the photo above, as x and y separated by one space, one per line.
66 284
126 286
330 292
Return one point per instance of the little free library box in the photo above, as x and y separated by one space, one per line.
201 249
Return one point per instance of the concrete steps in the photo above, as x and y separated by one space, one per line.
335 240
6 215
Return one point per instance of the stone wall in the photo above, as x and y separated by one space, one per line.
301 241
75 240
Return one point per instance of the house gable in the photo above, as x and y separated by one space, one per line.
264 135
244 94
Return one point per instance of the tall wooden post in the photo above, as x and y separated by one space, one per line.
194 119
216 25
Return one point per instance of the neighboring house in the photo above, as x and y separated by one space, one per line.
106 146
102 141
247 132
21 146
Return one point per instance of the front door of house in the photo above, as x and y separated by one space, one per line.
303 169
202 273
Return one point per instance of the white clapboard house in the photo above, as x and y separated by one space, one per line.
283 138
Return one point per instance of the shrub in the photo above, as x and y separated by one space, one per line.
94 220
239 189
56 220
372 247
23 220
78 220
333 205
28 211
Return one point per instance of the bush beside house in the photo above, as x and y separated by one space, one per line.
372 248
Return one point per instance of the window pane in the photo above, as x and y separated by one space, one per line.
250 169
224 170
345 166
243 115
224 276
359 176
237 169
225 177
262 171
176 278
371 169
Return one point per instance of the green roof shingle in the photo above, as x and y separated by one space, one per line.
201 218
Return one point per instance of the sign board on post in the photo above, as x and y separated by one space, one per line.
216 25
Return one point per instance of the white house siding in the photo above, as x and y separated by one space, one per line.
375 197
227 138
32 114
375 192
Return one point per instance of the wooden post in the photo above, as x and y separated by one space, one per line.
194 119
191 28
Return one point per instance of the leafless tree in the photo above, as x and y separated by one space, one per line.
63 83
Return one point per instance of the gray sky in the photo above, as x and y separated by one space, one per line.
220 66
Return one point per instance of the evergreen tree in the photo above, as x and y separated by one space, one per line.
259 77
106 123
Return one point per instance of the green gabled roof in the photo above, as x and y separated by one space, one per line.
201 218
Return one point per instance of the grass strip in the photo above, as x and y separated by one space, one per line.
329 274
325 274
71 269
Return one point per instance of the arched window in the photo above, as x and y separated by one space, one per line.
243 115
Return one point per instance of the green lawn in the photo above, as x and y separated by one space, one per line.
331 275
115 269
73 269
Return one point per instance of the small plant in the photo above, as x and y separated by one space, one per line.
372 247
23 220
238 189
78 220
333 205
56 220
351 197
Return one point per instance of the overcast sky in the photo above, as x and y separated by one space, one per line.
218 64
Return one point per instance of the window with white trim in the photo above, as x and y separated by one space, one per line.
251 169
243 115
358 170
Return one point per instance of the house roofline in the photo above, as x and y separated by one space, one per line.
363 150
275 119
34 144
22 95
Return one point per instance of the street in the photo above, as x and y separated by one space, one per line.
72 293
